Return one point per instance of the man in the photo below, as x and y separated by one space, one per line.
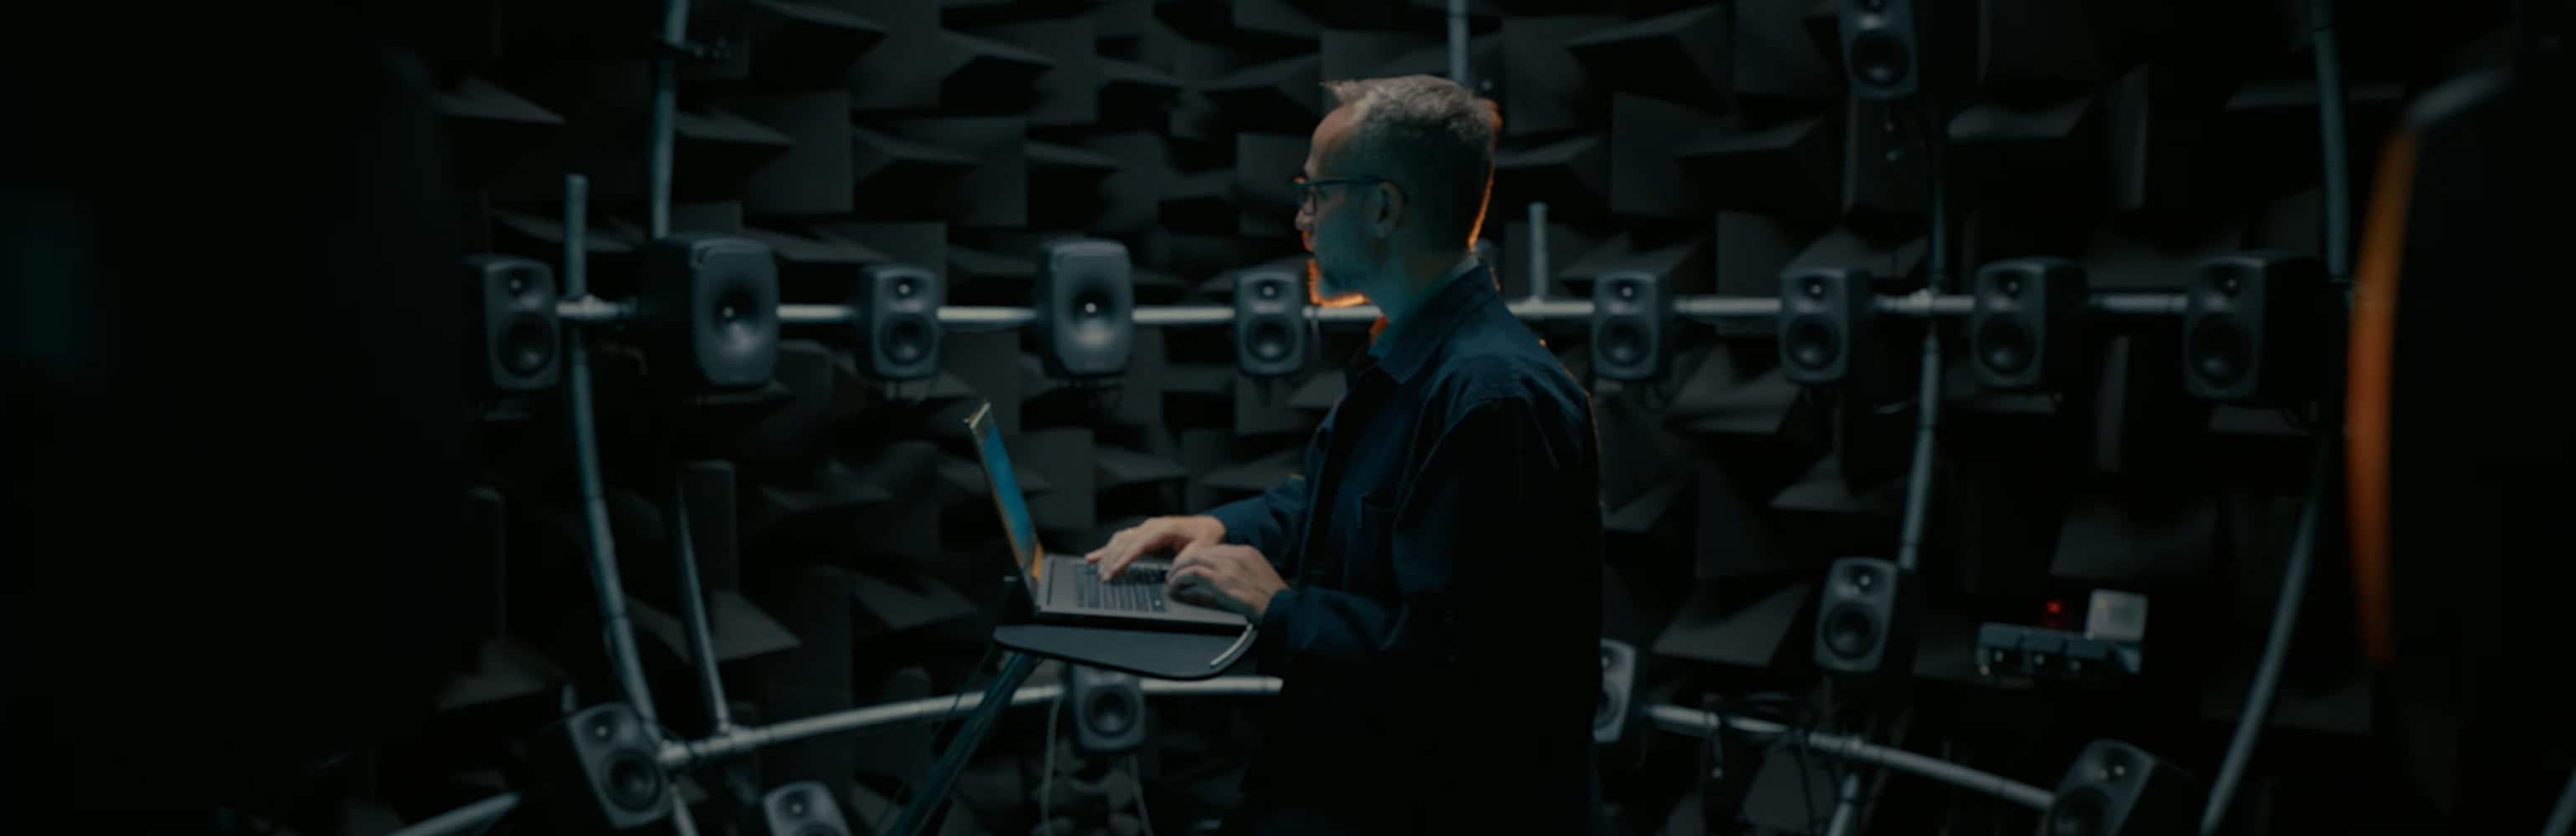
1430 587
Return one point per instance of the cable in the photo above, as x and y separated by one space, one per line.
1046 777
1136 776
1927 419
942 724
2264 692
1694 721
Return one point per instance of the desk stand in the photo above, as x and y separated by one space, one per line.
1160 654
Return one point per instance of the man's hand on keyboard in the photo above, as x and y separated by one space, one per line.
1236 578
1154 535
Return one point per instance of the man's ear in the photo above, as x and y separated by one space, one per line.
1390 209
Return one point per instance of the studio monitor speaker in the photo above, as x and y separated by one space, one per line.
514 305
2249 327
1632 325
1618 684
2027 327
710 306
804 808
600 770
1827 316
1865 624
897 314
1108 711
2115 789
1085 306
1882 48
1269 324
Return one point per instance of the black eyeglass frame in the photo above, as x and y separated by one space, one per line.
1305 189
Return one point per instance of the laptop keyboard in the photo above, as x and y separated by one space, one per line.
1135 590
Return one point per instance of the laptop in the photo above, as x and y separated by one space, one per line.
1063 587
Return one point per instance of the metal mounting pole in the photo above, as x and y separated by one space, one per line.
1016 668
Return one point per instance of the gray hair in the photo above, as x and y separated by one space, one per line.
1429 135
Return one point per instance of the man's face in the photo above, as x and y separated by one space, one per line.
1335 219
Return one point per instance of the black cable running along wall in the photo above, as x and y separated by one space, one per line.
238 420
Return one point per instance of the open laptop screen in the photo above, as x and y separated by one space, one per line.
1013 505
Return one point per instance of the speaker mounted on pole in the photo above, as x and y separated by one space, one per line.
1085 304
520 339
1632 326
897 319
2026 330
600 770
1866 624
1828 317
709 306
1269 324
1108 711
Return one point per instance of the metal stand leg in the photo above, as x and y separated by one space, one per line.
1016 668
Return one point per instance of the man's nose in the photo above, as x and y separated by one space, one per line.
1305 219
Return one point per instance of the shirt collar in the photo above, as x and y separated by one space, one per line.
1401 351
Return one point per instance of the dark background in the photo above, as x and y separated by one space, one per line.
238 420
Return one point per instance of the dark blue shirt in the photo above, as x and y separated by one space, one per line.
1440 636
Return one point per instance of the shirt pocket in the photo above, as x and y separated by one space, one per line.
1369 559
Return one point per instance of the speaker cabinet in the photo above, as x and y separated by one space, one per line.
1269 324
897 308
709 306
598 770
1632 325
2027 327
804 808
1827 317
1085 305
1882 48
1618 682
2249 330
514 306
1865 625
2115 789
1108 711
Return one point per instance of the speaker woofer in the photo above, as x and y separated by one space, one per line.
1850 631
2003 346
2220 352
1811 342
1269 340
634 781
528 343
2080 812
907 339
1621 341
1110 712
1879 59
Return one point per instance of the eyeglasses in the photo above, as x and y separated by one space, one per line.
1304 194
